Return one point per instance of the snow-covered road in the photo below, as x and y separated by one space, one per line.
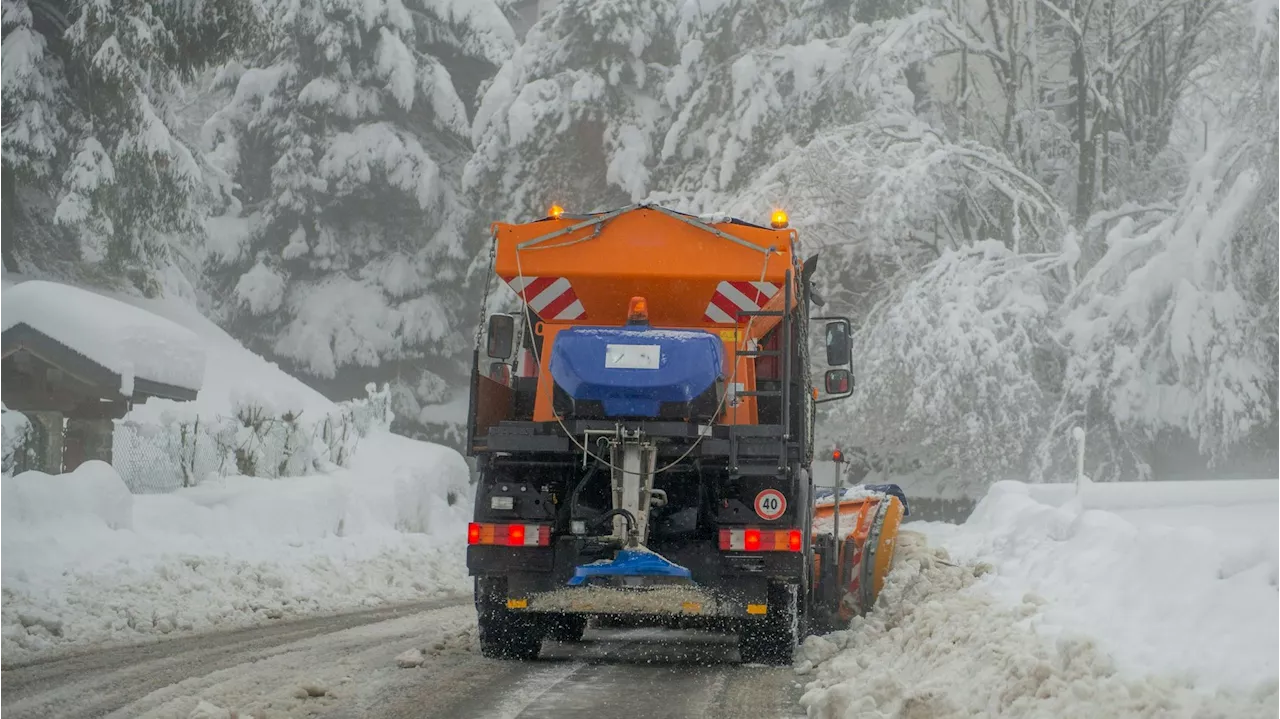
346 666
260 666
1032 608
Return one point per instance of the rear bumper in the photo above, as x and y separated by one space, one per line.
725 584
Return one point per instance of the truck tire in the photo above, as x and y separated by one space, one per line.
772 639
566 627
504 634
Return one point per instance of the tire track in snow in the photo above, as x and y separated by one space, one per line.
533 687
638 673
95 683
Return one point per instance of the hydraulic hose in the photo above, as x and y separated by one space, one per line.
582 483
626 515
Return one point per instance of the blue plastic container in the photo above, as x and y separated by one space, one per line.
636 371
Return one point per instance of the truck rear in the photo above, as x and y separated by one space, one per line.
643 434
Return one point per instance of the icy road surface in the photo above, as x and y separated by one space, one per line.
345 667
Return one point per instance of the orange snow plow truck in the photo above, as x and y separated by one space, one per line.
643 431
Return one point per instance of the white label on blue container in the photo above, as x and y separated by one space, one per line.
632 356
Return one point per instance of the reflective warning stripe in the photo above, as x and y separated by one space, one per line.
552 298
730 298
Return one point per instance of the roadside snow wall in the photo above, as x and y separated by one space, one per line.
1174 579
85 562
937 645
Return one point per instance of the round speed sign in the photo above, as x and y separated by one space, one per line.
770 504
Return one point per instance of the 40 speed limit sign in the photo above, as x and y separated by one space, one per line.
770 504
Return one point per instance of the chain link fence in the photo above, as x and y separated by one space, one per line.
153 459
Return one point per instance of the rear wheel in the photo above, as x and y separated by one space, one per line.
772 639
504 634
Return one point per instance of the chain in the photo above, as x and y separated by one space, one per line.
488 279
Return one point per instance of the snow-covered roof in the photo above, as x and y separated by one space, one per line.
127 341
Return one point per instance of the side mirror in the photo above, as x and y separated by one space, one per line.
500 372
839 382
838 345
502 330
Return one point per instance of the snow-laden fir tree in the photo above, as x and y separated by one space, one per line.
345 133
756 81
95 178
576 116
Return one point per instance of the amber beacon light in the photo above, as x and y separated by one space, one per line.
638 312
555 212
779 219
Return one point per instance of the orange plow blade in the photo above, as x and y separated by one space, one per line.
867 537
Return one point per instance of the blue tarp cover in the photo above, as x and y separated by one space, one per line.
679 366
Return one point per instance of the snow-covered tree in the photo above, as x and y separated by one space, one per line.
34 96
88 138
576 116
751 84
1173 332
345 133
756 82
1161 334
953 369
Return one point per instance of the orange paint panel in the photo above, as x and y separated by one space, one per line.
676 266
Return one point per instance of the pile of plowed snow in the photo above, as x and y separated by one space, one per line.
1170 578
939 645
86 562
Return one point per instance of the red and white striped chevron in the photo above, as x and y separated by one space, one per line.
730 298
552 298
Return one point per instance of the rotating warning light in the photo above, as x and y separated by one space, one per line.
779 219
837 455
555 212
638 312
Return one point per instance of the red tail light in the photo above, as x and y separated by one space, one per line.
761 540
511 535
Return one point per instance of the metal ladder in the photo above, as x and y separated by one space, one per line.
783 351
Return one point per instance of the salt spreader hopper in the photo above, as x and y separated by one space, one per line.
642 424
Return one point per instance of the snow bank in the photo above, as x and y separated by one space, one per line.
127 340
1176 589
85 562
1150 495
938 646
90 496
